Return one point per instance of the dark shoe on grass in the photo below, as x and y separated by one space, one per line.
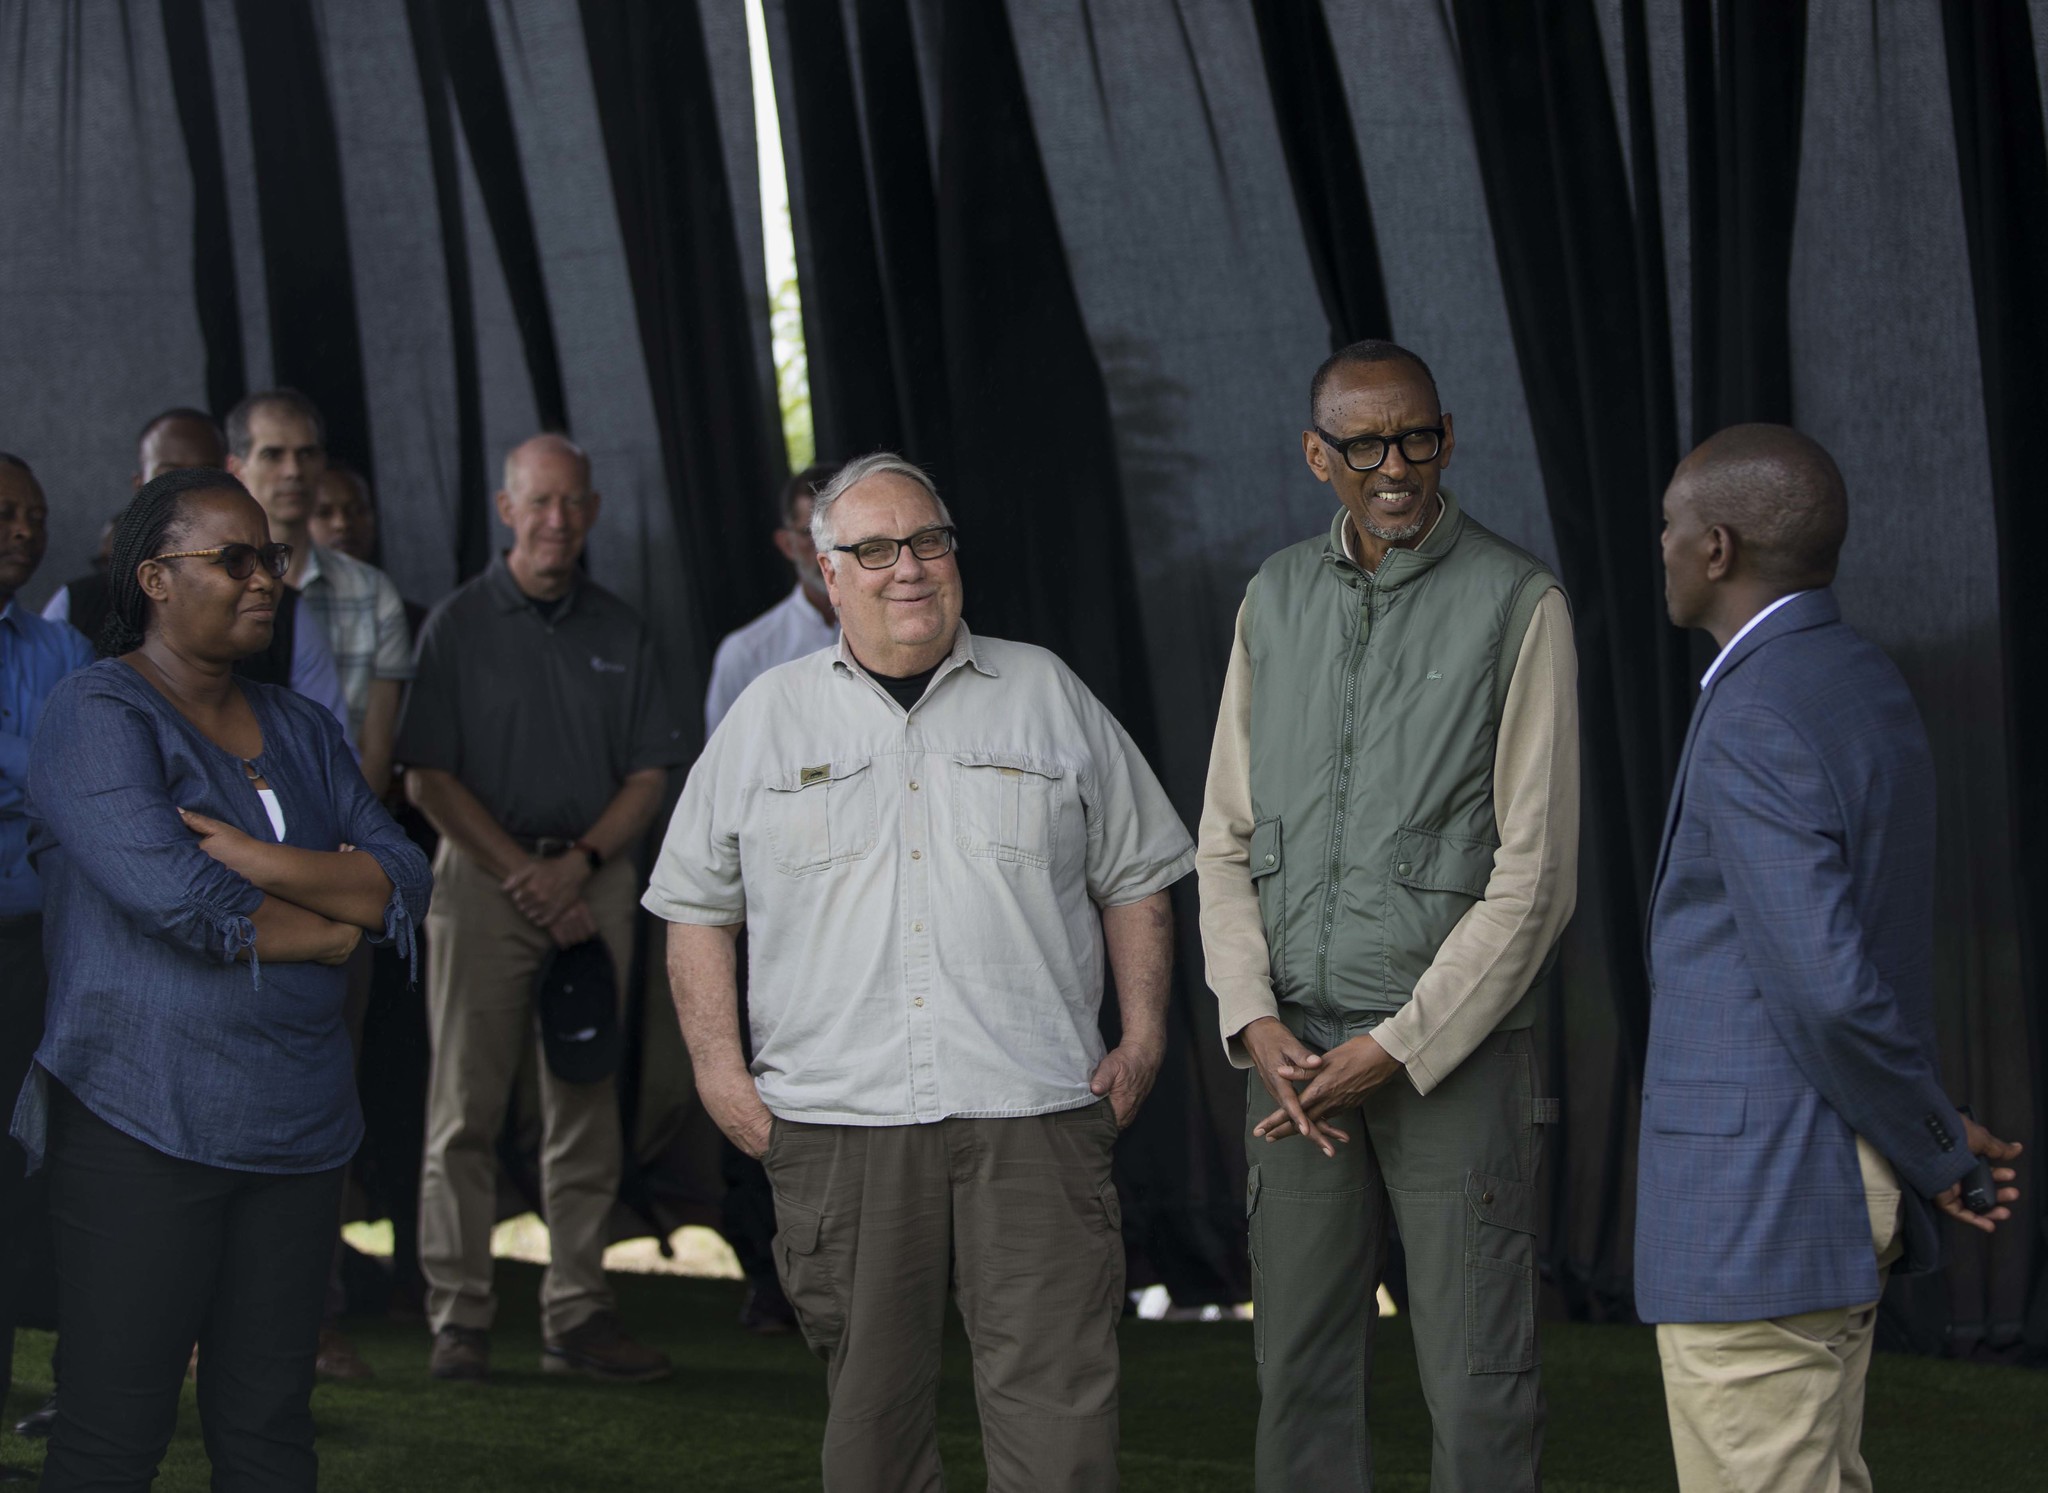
766 1310
40 1423
461 1353
600 1349
338 1358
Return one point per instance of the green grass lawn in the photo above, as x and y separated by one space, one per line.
745 1412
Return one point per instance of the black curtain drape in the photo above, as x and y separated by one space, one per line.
2002 154
213 247
1323 165
651 78
314 343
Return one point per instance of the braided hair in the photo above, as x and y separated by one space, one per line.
153 520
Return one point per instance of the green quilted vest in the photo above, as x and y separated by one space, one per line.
1376 702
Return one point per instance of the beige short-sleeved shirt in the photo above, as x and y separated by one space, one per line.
921 889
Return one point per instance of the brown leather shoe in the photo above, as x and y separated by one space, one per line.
600 1349
338 1358
460 1353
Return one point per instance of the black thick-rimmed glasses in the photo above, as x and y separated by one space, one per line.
240 560
1364 453
880 554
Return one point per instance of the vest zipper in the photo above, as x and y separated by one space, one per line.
1332 881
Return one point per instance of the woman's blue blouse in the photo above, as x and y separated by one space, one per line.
152 1022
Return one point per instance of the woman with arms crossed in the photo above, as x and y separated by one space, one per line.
211 856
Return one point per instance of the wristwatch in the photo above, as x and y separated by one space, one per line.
590 853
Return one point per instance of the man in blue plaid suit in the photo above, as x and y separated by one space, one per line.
1796 1138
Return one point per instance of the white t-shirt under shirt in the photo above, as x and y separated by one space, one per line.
274 809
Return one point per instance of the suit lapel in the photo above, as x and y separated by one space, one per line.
1814 609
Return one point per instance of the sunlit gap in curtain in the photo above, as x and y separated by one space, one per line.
785 299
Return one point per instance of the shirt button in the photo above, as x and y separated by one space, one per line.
1402 869
913 785
917 927
1269 860
918 1002
917 855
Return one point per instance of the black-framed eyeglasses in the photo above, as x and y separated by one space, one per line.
1364 453
880 554
240 560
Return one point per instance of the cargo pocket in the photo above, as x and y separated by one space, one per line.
1500 1275
1251 1219
1006 806
821 816
807 1277
1269 880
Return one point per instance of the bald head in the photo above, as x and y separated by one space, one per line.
549 505
178 439
547 450
1779 492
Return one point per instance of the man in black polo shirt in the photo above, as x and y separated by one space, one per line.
538 741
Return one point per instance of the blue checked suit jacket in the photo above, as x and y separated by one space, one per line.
1791 949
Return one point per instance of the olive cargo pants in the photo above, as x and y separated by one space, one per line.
1020 1217
1457 1168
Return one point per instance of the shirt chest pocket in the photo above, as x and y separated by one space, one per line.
820 817
1006 807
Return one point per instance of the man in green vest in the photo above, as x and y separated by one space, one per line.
1388 852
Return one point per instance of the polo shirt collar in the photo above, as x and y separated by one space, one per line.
506 593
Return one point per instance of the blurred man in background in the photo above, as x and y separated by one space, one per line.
34 655
538 740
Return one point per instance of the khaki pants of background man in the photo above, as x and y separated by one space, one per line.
1778 1404
482 957
1020 1217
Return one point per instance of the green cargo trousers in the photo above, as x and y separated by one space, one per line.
1457 1168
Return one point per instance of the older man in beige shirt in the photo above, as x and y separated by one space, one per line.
933 839
1388 853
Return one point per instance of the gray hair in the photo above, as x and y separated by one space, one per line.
874 464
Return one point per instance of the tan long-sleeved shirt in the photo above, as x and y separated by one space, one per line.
1493 954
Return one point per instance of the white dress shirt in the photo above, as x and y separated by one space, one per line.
1747 627
783 634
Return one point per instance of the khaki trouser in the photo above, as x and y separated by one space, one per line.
1778 1403
482 957
1456 1169
1022 1216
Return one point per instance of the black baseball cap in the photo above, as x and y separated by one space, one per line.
577 991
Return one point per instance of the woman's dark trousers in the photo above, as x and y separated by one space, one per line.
155 1254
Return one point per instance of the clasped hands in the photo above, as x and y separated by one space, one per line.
549 894
1329 1082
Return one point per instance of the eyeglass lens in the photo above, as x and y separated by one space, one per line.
240 560
1366 454
880 554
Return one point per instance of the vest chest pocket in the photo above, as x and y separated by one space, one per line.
820 817
1006 807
